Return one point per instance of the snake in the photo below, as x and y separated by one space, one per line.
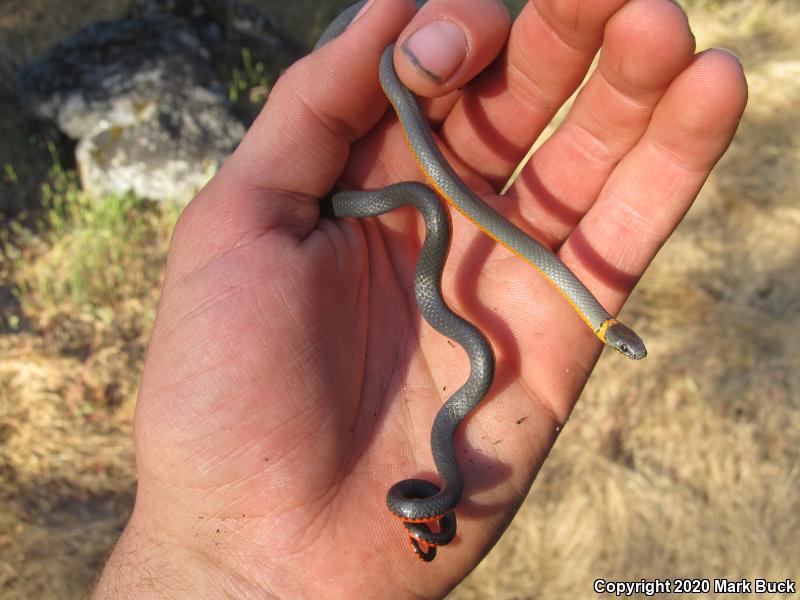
426 509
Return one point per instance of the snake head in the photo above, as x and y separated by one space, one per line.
622 339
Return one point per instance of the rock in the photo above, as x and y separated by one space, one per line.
111 71
226 27
169 155
142 97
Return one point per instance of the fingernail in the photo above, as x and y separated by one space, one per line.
729 51
436 50
360 13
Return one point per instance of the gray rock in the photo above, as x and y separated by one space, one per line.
167 155
141 95
111 70
226 27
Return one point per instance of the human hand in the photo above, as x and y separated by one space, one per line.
290 379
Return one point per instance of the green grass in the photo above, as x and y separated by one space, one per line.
248 83
83 254
11 174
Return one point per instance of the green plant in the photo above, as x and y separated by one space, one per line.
11 174
248 82
86 254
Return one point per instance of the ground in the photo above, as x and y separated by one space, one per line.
683 465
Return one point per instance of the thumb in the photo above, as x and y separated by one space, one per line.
296 149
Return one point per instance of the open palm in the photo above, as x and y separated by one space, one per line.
290 379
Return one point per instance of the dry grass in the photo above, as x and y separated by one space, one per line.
65 477
685 465
72 348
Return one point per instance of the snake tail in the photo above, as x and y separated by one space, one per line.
416 502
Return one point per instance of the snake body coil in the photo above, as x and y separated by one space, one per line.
416 501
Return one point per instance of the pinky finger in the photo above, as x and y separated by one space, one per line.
651 189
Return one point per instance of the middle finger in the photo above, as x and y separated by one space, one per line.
501 113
